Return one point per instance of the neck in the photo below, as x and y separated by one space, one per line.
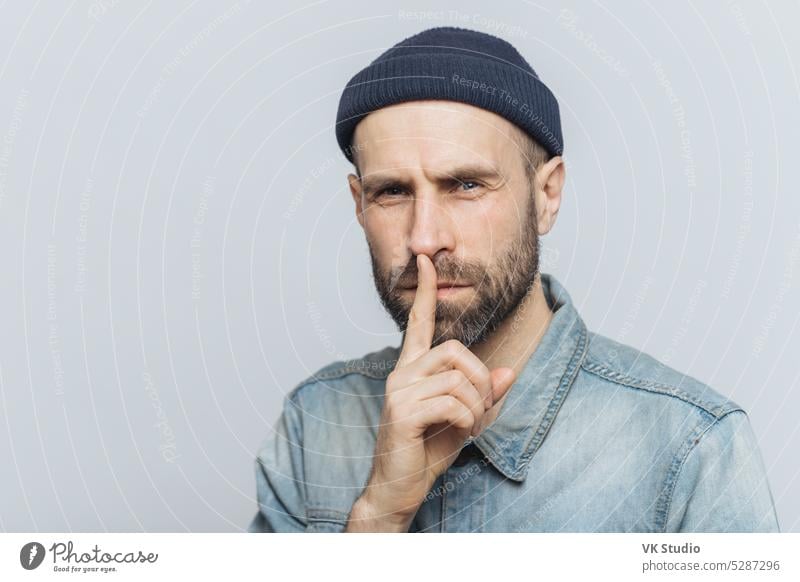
516 339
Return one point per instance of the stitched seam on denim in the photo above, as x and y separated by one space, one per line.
292 517
341 372
325 514
664 499
296 431
579 353
667 390
674 475
565 384
336 374
300 525
292 443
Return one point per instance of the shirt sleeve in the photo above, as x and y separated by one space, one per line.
280 489
722 485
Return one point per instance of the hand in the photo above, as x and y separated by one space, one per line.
435 398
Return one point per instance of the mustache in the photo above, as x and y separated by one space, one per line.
447 269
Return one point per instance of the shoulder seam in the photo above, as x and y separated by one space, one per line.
358 366
691 444
603 371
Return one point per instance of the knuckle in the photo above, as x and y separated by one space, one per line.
452 404
451 351
455 378
484 376
453 347
466 419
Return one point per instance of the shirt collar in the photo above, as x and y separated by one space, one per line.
533 401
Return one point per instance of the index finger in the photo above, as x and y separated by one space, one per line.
422 317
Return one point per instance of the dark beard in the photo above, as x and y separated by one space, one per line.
499 288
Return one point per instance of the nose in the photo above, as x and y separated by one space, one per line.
431 229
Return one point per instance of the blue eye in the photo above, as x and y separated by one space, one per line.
467 183
390 191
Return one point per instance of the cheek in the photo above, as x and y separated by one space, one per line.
487 226
387 242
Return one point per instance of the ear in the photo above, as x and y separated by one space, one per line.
549 185
355 191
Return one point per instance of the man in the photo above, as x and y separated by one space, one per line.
500 411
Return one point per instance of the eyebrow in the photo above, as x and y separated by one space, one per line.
377 182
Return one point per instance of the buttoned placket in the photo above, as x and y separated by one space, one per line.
464 490
458 500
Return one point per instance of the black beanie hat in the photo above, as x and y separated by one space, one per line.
454 64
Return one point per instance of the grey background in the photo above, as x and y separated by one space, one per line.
179 246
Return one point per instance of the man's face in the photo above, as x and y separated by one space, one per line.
447 180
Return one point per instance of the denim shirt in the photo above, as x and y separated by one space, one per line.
593 436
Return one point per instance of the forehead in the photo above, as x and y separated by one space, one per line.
433 134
